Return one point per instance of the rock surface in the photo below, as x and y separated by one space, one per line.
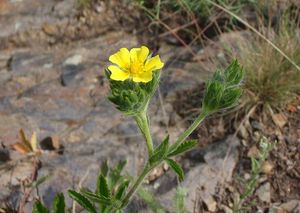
203 180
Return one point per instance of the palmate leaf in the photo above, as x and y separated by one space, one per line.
82 201
185 146
176 168
160 152
115 173
96 198
59 203
39 208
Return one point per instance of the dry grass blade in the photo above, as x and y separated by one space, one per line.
256 31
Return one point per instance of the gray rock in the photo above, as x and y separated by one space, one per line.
264 192
70 75
202 180
292 206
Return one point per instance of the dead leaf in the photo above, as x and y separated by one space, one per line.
24 140
292 107
21 148
33 142
24 146
55 141
279 119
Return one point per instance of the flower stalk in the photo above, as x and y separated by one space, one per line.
147 169
189 131
143 124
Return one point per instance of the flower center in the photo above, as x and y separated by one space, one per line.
136 67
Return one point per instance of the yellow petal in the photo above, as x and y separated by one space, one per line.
143 77
153 63
121 58
143 54
117 74
134 54
139 54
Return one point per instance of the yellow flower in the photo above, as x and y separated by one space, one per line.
134 64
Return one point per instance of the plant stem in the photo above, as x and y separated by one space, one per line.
187 132
137 183
143 123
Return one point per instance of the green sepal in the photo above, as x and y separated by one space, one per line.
38 207
82 201
224 89
160 152
59 203
185 146
130 97
233 74
176 168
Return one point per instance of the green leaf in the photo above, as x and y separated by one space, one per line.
160 152
115 174
96 198
176 168
59 203
121 190
40 181
185 146
82 201
254 165
104 168
102 187
39 208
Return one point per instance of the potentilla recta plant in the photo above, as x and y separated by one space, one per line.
133 79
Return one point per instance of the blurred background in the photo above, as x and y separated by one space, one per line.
53 54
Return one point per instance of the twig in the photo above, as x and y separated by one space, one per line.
33 178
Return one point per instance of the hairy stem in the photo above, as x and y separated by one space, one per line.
187 132
137 183
143 123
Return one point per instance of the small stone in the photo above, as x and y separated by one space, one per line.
247 176
70 75
73 60
4 155
49 29
253 152
267 167
292 206
256 125
264 192
243 132
211 205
